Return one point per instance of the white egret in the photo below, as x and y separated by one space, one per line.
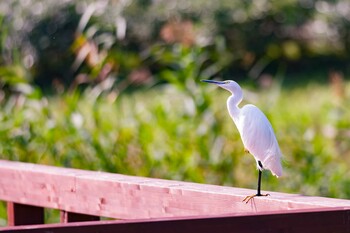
256 132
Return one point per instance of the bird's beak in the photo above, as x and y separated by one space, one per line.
213 81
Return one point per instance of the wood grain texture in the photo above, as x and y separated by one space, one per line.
128 197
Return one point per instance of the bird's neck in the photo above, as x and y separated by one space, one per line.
232 104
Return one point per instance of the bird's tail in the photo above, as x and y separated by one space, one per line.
273 163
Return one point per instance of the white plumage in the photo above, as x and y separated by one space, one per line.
258 138
255 129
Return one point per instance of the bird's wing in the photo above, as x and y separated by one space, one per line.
259 138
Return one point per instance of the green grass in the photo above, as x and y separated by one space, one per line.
165 133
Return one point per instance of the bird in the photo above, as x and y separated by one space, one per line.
256 132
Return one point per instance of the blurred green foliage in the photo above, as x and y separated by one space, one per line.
63 45
165 135
115 86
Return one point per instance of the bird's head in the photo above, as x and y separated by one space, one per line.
229 85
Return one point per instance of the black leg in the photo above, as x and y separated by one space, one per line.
259 184
247 199
259 179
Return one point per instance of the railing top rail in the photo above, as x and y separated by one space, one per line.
130 197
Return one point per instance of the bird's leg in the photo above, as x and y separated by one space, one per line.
258 194
259 181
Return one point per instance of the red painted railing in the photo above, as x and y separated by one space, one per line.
154 205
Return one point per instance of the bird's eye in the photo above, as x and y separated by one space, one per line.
227 82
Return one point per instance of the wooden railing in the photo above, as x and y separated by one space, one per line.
153 205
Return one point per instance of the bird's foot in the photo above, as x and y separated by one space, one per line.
248 198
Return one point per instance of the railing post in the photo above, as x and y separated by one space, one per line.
19 214
74 217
